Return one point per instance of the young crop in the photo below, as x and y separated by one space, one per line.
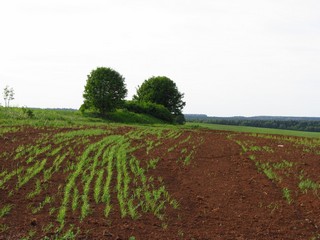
7 176
5 210
75 199
188 158
41 205
122 180
153 163
97 188
267 170
106 172
106 198
287 195
282 165
36 191
85 197
3 228
308 184
150 146
48 227
31 172
243 146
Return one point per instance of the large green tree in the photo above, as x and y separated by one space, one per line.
105 90
161 90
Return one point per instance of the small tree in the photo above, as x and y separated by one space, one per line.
8 95
105 90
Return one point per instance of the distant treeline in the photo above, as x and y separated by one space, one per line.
289 123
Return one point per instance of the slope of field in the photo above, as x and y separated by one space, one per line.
122 182
254 130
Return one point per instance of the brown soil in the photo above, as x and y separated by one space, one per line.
221 193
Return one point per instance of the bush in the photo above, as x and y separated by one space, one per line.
179 119
153 109
28 112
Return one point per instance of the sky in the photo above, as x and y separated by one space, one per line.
228 57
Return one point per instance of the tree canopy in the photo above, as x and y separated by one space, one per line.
161 90
105 90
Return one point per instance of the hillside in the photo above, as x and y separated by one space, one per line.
205 117
310 124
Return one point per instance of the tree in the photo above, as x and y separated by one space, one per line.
161 90
105 90
8 95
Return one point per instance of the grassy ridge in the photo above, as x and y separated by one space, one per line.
56 118
254 130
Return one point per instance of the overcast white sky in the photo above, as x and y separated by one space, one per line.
229 57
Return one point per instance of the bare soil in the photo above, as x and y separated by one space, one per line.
221 193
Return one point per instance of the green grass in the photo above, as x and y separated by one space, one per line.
254 130
122 116
60 118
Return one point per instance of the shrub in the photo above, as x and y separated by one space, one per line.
153 109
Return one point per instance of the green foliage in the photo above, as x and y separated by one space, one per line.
153 109
161 90
104 91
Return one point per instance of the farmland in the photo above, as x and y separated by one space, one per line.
117 181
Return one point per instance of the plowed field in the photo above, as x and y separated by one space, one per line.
122 182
